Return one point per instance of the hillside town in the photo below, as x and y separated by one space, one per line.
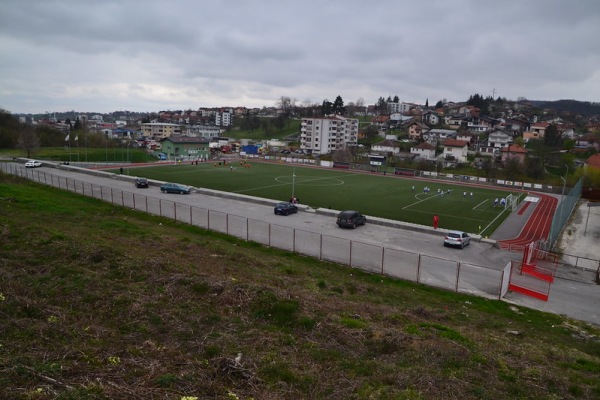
480 132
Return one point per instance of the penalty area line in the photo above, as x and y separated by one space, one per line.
474 208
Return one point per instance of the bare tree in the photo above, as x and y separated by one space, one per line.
28 140
287 105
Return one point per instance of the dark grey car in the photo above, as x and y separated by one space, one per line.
350 219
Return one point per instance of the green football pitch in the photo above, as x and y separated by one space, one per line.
469 208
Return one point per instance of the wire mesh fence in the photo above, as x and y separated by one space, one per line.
426 269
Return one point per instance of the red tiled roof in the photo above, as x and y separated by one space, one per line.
425 146
514 148
594 160
455 143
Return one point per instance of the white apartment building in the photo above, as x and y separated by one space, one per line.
402 108
223 117
324 135
159 130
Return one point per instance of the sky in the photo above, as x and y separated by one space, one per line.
151 55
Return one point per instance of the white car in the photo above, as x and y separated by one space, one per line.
457 238
33 164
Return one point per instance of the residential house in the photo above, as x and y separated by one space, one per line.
497 139
471 137
434 136
516 125
513 151
387 146
455 121
424 150
539 128
415 130
480 123
323 135
159 130
381 122
185 148
400 118
588 142
455 150
430 118
594 161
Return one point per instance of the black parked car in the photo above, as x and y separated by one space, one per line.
141 182
285 208
175 188
350 219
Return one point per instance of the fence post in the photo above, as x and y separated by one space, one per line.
419 269
457 277
350 258
320 246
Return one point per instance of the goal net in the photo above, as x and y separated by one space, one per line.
512 201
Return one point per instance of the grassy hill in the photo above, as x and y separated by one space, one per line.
98 302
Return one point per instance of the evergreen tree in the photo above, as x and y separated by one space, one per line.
338 106
326 107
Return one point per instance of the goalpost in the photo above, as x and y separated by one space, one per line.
512 201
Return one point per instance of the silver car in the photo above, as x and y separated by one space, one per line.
457 239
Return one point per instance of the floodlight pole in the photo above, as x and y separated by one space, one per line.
562 199
293 180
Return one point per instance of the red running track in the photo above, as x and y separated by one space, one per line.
537 226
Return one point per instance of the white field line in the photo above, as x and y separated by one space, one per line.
420 201
474 208
297 182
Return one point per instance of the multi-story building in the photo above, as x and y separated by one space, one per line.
324 135
224 117
206 131
402 108
159 130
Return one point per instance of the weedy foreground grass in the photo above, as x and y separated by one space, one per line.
99 302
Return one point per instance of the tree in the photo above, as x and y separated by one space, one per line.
396 99
534 167
488 167
371 132
287 105
28 140
326 107
338 106
513 168
552 136
342 155
381 106
9 128
439 104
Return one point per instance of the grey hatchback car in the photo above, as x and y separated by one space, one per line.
457 238
350 219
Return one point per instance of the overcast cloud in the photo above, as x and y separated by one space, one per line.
148 55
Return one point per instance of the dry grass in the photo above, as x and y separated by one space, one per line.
103 303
